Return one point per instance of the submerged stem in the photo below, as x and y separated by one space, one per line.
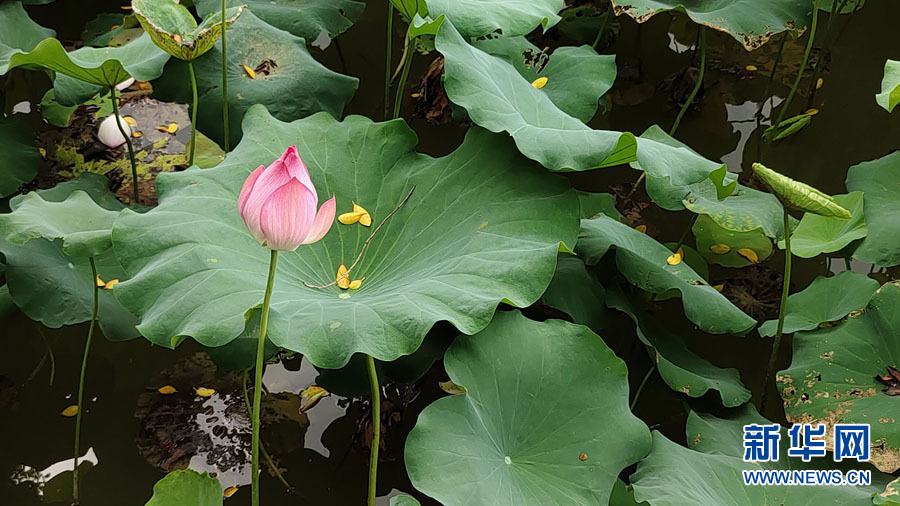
602 27
809 43
224 80
407 63
387 60
640 388
134 177
376 428
770 370
257 378
193 113
84 362
697 86
262 447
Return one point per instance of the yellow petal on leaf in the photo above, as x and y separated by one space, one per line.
365 219
249 71
204 392
819 83
172 128
811 112
110 284
540 82
100 282
675 258
720 249
166 390
43 152
641 228
131 121
749 254
751 68
137 135
343 281
718 288
230 491
349 218
313 395
355 284
70 411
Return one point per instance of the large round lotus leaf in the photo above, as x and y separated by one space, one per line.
832 378
825 300
890 86
173 28
544 419
709 473
462 243
751 22
18 33
289 82
746 210
681 369
879 180
576 291
800 195
83 73
817 234
19 157
54 288
187 487
304 18
498 98
721 246
643 261
474 18
576 76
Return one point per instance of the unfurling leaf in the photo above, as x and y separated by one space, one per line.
800 195
749 254
540 82
343 281
452 388
70 411
166 390
205 392
720 249
313 395
675 258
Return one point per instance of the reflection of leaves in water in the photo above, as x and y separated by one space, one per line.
756 290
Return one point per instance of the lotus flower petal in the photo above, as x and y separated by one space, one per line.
324 220
287 216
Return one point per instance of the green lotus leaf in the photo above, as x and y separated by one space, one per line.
240 353
848 6
693 260
681 369
879 180
187 487
832 377
890 495
18 33
825 300
577 77
409 9
474 18
498 98
593 204
623 495
404 500
83 73
800 195
174 29
83 226
56 289
545 419
461 245
709 472
816 234
576 291
294 87
672 169
719 245
750 22
19 157
890 86
307 19
643 262
746 210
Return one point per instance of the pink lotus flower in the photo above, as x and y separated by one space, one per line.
278 204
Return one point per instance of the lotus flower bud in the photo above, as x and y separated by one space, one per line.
278 204
109 133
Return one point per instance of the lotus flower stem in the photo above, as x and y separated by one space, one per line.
697 86
369 239
262 447
84 362
402 59
407 63
640 388
224 80
770 370
809 43
193 112
257 378
376 428
134 176
387 60
603 26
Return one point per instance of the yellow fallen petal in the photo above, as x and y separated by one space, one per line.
70 411
137 135
113 27
312 395
819 83
43 152
641 228
675 258
110 284
415 95
144 85
718 288
166 390
751 68
749 254
540 82
343 281
349 218
100 282
249 72
228 492
172 128
355 284
365 220
131 121
720 249
125 7
204 392
812 112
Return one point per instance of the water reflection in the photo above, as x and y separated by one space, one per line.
41 480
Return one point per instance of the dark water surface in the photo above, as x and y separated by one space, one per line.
322 454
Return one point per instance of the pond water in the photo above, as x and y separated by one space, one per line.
325 459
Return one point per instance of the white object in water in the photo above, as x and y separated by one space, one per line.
109 133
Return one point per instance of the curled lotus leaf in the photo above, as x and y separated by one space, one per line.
800 195
174 29
890 86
